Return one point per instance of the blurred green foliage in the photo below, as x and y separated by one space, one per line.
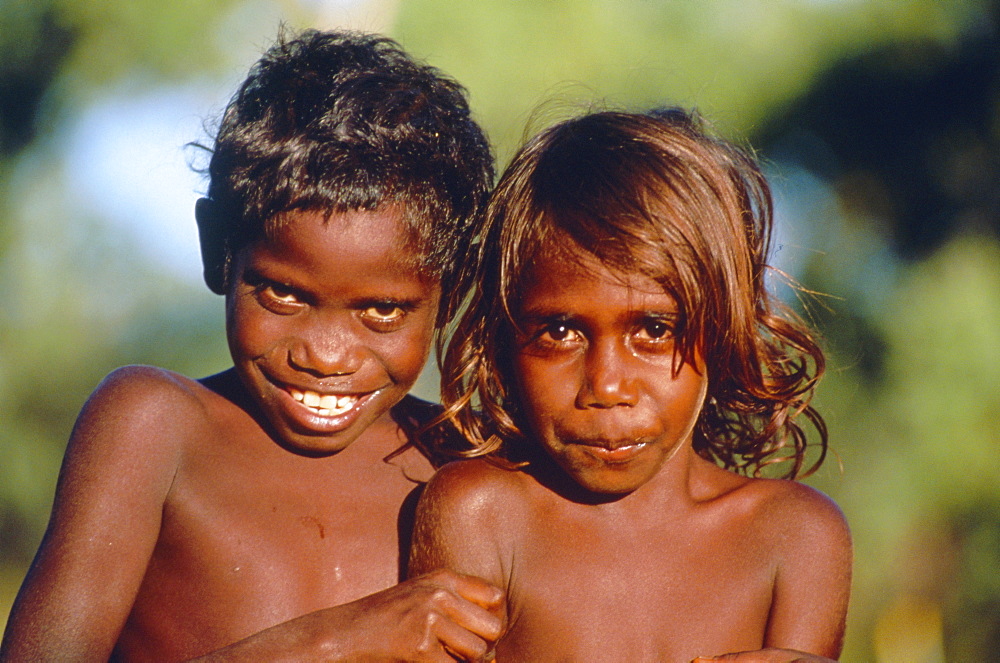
879 121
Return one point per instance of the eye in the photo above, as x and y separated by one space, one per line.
281 293
384 316
384 312
277 298
560 332
655 330
543 335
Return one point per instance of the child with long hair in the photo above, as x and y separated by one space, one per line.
628 381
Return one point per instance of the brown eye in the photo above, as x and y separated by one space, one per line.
655 330
561 333
280 294
277 298
384 313
384 316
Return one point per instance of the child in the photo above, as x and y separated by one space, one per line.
633 376
189 515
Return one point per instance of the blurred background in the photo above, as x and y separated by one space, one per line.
879 123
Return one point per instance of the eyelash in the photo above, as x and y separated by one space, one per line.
659 333
369 313
558 329
282 299
276 297
664 330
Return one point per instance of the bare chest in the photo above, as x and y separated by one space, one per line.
582 591
245 544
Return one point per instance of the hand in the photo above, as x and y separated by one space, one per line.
767 656
437 618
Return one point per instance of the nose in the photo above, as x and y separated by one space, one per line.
325 347
607 380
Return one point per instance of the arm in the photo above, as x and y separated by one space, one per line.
463 516
422 619
105 521
460 522
813 583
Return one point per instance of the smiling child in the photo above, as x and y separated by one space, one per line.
270 505
632 376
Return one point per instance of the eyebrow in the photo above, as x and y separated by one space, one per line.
255 276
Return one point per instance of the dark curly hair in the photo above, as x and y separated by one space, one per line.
340 121
654 194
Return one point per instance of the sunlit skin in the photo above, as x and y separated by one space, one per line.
604 391
326 345
620 543
193 514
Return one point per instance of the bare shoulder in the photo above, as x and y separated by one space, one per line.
120 464
149 388
808 542
475 488
796 507
787 513
466 520
143 407
798 522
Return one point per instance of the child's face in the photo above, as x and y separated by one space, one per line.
329 324
596 373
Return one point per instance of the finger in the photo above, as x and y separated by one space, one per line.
472 617
461 643
470 588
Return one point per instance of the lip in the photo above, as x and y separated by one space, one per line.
324 404
614 453
334 412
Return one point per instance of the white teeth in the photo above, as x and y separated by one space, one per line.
330 402
325 405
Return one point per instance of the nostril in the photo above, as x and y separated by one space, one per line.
607 382
329 361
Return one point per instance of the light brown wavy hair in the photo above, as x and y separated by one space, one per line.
654 194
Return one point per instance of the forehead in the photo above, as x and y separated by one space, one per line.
575 280
357 244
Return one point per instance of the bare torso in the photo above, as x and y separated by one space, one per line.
253 535
604 589
641 578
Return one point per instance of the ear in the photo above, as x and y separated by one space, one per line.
213 244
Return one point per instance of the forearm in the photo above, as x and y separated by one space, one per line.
420 619
321 635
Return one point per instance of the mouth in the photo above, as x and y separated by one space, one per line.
324 405
612 451
616 452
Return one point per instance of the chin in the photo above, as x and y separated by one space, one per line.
316 446
608 483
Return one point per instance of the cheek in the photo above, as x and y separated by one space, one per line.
249 332
254 330
682 398
545 388
405 353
